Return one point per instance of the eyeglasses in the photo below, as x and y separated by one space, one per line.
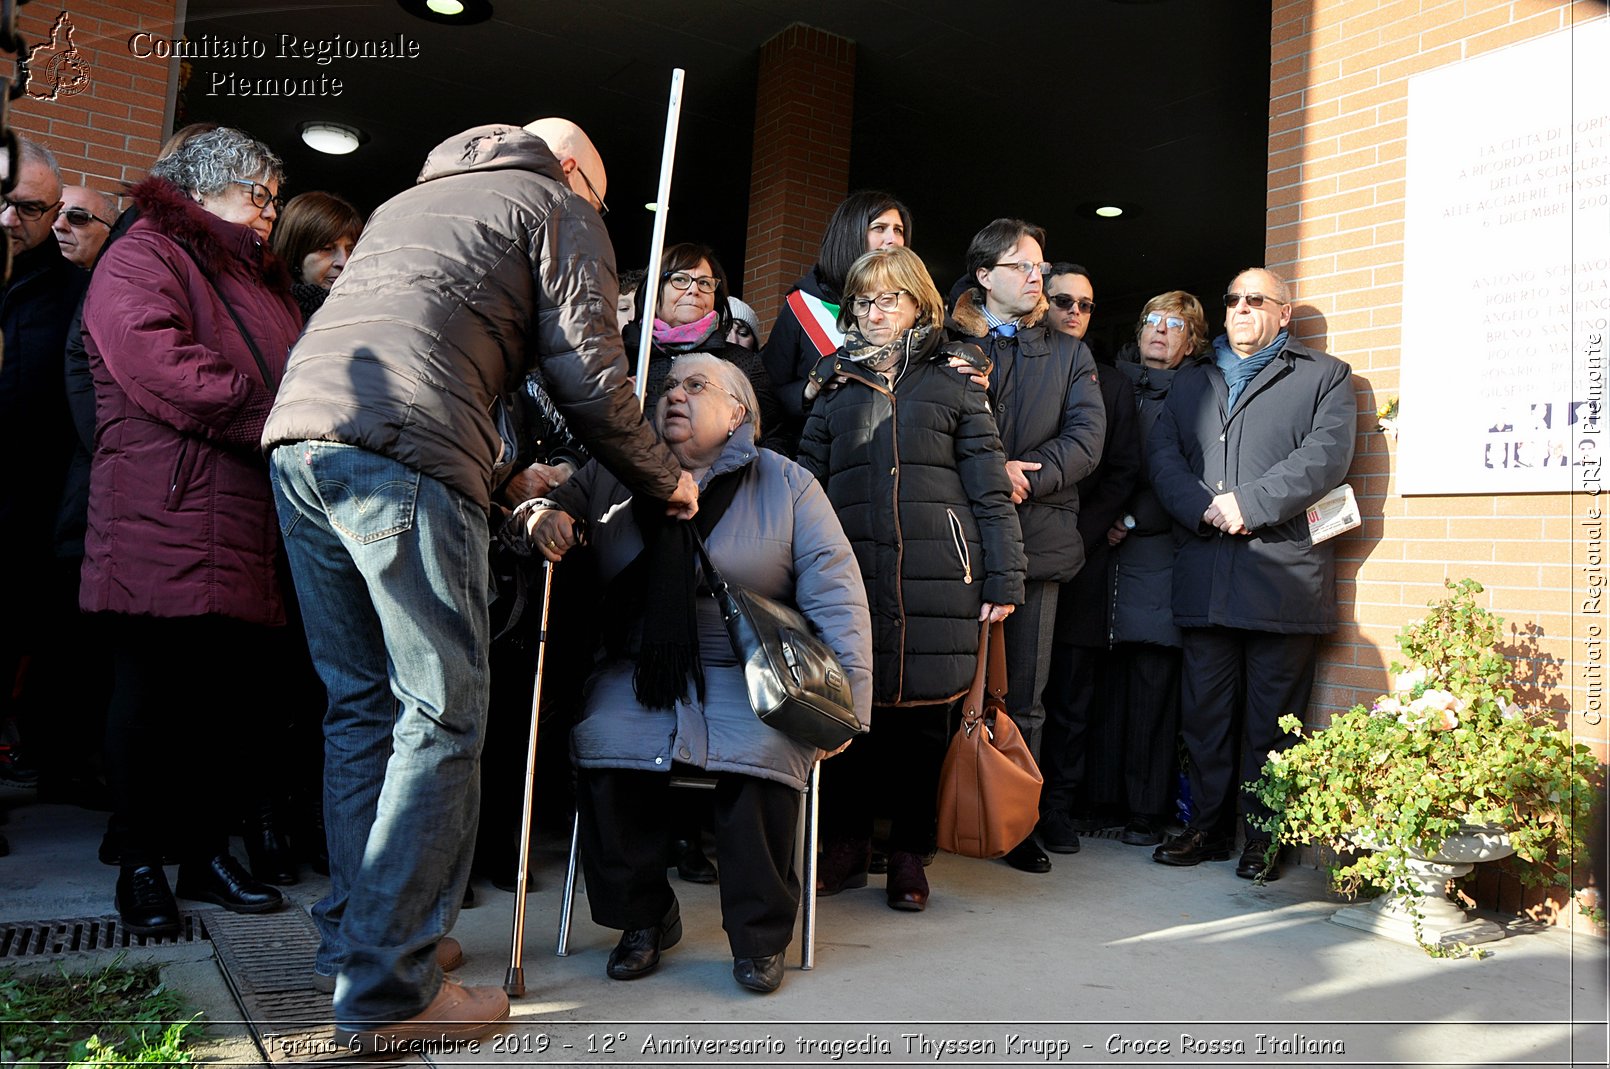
1154 319
886 302
28 209
1023 267
681 280
261 195
1254 300
693 386
1067 303
603 209
82 217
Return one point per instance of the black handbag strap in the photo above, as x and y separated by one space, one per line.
262 365
712 578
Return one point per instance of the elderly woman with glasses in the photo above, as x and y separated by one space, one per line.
187 323
692 315
1145 668
671 695
911 459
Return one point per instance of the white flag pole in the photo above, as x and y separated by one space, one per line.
662 201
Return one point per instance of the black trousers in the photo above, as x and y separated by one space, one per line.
893 770
1146 694
1236 686
625 822
188 700
1082 755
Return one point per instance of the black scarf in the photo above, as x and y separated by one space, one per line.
660 586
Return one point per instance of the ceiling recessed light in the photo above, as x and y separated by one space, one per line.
449 12
334 138
1107 209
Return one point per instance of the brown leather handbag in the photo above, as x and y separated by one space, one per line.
989 789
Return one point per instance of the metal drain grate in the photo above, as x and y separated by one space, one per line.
45 939
268 960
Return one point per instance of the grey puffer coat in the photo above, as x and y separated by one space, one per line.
487 267
1287 442
1048 406
917 476
779 538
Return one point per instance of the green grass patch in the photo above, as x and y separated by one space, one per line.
118 1015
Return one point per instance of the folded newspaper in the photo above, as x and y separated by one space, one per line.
1332 514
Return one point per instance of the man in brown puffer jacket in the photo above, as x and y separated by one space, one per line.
383 444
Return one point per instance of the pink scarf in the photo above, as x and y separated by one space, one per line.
687 333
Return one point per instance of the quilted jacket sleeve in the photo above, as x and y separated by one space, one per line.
578 348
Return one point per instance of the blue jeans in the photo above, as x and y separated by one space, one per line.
391 567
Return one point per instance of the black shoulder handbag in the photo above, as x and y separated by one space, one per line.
795 683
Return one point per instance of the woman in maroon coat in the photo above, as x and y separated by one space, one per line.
187 326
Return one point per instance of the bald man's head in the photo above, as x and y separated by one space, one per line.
583 167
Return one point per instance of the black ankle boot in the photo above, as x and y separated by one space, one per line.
145 904
221 880
266 850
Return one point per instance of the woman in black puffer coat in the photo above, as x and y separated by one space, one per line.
911 459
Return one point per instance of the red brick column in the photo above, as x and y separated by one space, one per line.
803 106
91 100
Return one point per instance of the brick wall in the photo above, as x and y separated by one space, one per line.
804 102
109 130
1336 210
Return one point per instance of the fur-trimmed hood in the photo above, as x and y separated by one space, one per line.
969 314
217 244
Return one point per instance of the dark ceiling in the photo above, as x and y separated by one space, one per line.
965 115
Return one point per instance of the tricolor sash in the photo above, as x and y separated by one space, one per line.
819 320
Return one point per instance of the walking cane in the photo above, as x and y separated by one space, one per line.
514 982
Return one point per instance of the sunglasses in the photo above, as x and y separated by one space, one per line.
1170 322
1068 303
82 217
1254 300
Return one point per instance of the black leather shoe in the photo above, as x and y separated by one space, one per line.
1027 856
222 881
764 975
1192 847
691 864
268 855
638 952
145 905
1257 863
1141 831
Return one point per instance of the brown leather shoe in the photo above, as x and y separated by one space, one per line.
843 866
449 955
457 1012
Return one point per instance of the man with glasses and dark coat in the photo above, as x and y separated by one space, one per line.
83 224
1253 432
1052 421
36 433
383 442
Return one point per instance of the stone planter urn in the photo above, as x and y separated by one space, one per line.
1442 924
